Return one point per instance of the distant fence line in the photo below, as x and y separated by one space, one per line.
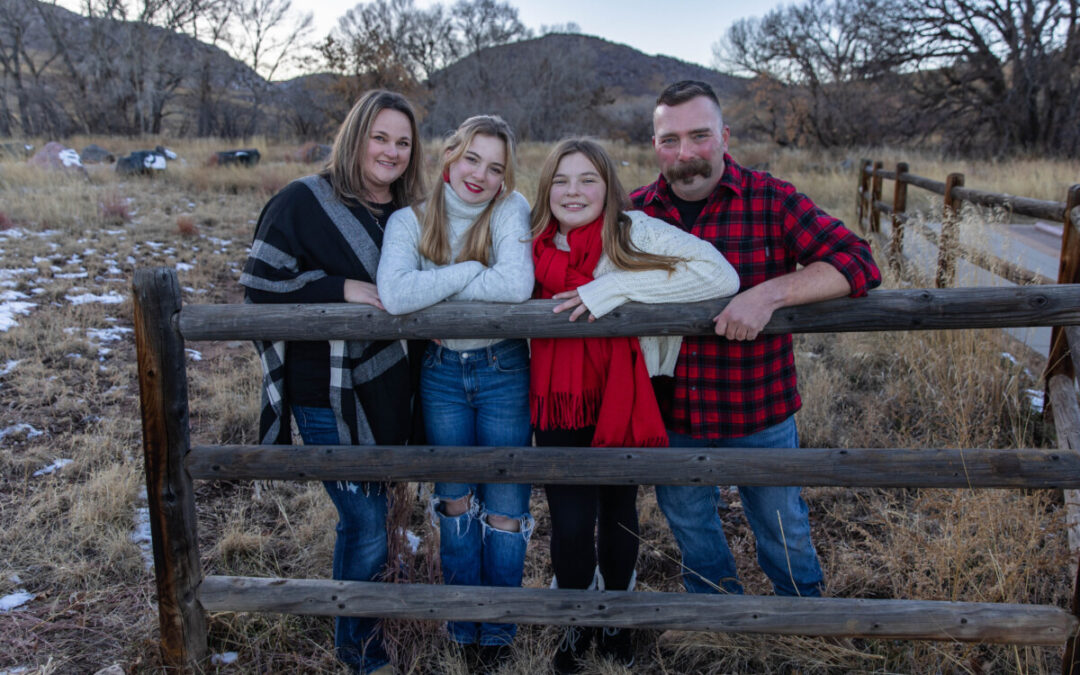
172 464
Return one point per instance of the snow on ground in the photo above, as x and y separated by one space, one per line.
8 366
31 432
1035 397
193 354
14 600
13 303
55 466
224 659
141 536
109 298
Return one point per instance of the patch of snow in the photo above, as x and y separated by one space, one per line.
12 304
17 670
1008 357
9 273
169 153
31 432
224 659
109 298
16 599
1035 397
108 334
72 275
130 260
141 536
413 539
52 468
8 366
184 267
193 354
115 232
69 157
153 244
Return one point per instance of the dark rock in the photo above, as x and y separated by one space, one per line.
141 162
95 154
249 157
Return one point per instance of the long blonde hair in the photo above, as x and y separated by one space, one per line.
345 167
615 232
434 239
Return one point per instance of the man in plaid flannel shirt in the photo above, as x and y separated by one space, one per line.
738 389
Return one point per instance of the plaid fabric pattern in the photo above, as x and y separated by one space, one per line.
353 363
765 228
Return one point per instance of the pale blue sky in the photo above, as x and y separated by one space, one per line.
685 29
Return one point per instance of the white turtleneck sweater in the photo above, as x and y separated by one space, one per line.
407 281
704 274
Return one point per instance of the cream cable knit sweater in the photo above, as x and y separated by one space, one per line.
408 281
704 275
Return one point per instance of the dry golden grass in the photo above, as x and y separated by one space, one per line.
67 536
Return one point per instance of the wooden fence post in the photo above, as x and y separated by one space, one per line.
896 249
863 192
875 197
1057 362
163 395
950 218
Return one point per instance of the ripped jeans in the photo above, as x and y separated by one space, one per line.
480 397
360 547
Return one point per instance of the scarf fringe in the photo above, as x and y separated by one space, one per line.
563 410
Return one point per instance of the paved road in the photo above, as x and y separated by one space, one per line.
1029 246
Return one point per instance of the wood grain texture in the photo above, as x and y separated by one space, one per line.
918 309
1015 468
890 619
163 400
1036 208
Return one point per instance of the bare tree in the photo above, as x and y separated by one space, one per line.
1000 74
820 71
487 23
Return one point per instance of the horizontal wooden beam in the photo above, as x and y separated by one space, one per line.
917 309
884 619
884 207
1014 468
1036 208
925 183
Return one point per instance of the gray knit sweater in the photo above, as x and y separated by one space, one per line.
408 281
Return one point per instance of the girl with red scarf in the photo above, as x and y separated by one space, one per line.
590 253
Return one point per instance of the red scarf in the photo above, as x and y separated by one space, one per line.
580 382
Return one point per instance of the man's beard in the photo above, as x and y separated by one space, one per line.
684 171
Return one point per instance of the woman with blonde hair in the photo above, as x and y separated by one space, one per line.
470 241
318 240
594 256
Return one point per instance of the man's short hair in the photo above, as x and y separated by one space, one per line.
685 90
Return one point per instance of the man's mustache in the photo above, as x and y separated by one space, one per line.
686 170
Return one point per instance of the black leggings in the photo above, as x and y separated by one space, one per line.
590 519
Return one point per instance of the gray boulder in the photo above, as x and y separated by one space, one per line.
248 157
95 154
141 163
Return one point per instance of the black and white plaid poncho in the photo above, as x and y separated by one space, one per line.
306 238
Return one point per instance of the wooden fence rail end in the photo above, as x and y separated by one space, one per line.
886 619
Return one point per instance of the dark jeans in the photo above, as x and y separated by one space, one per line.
591 525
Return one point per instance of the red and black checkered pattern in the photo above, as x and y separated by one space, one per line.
765 228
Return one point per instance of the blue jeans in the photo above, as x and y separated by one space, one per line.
360 546
777 515
480 397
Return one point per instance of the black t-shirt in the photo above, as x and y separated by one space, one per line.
688 211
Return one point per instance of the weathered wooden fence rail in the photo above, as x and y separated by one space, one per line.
172 465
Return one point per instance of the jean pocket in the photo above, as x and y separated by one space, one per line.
512 360
429 359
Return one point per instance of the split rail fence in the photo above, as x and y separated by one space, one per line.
184 594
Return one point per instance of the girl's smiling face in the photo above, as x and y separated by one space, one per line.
577 192
477 176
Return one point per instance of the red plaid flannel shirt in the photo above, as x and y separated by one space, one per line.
764 227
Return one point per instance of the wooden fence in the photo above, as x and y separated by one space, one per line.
172 464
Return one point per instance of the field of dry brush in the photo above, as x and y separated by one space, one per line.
72 507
